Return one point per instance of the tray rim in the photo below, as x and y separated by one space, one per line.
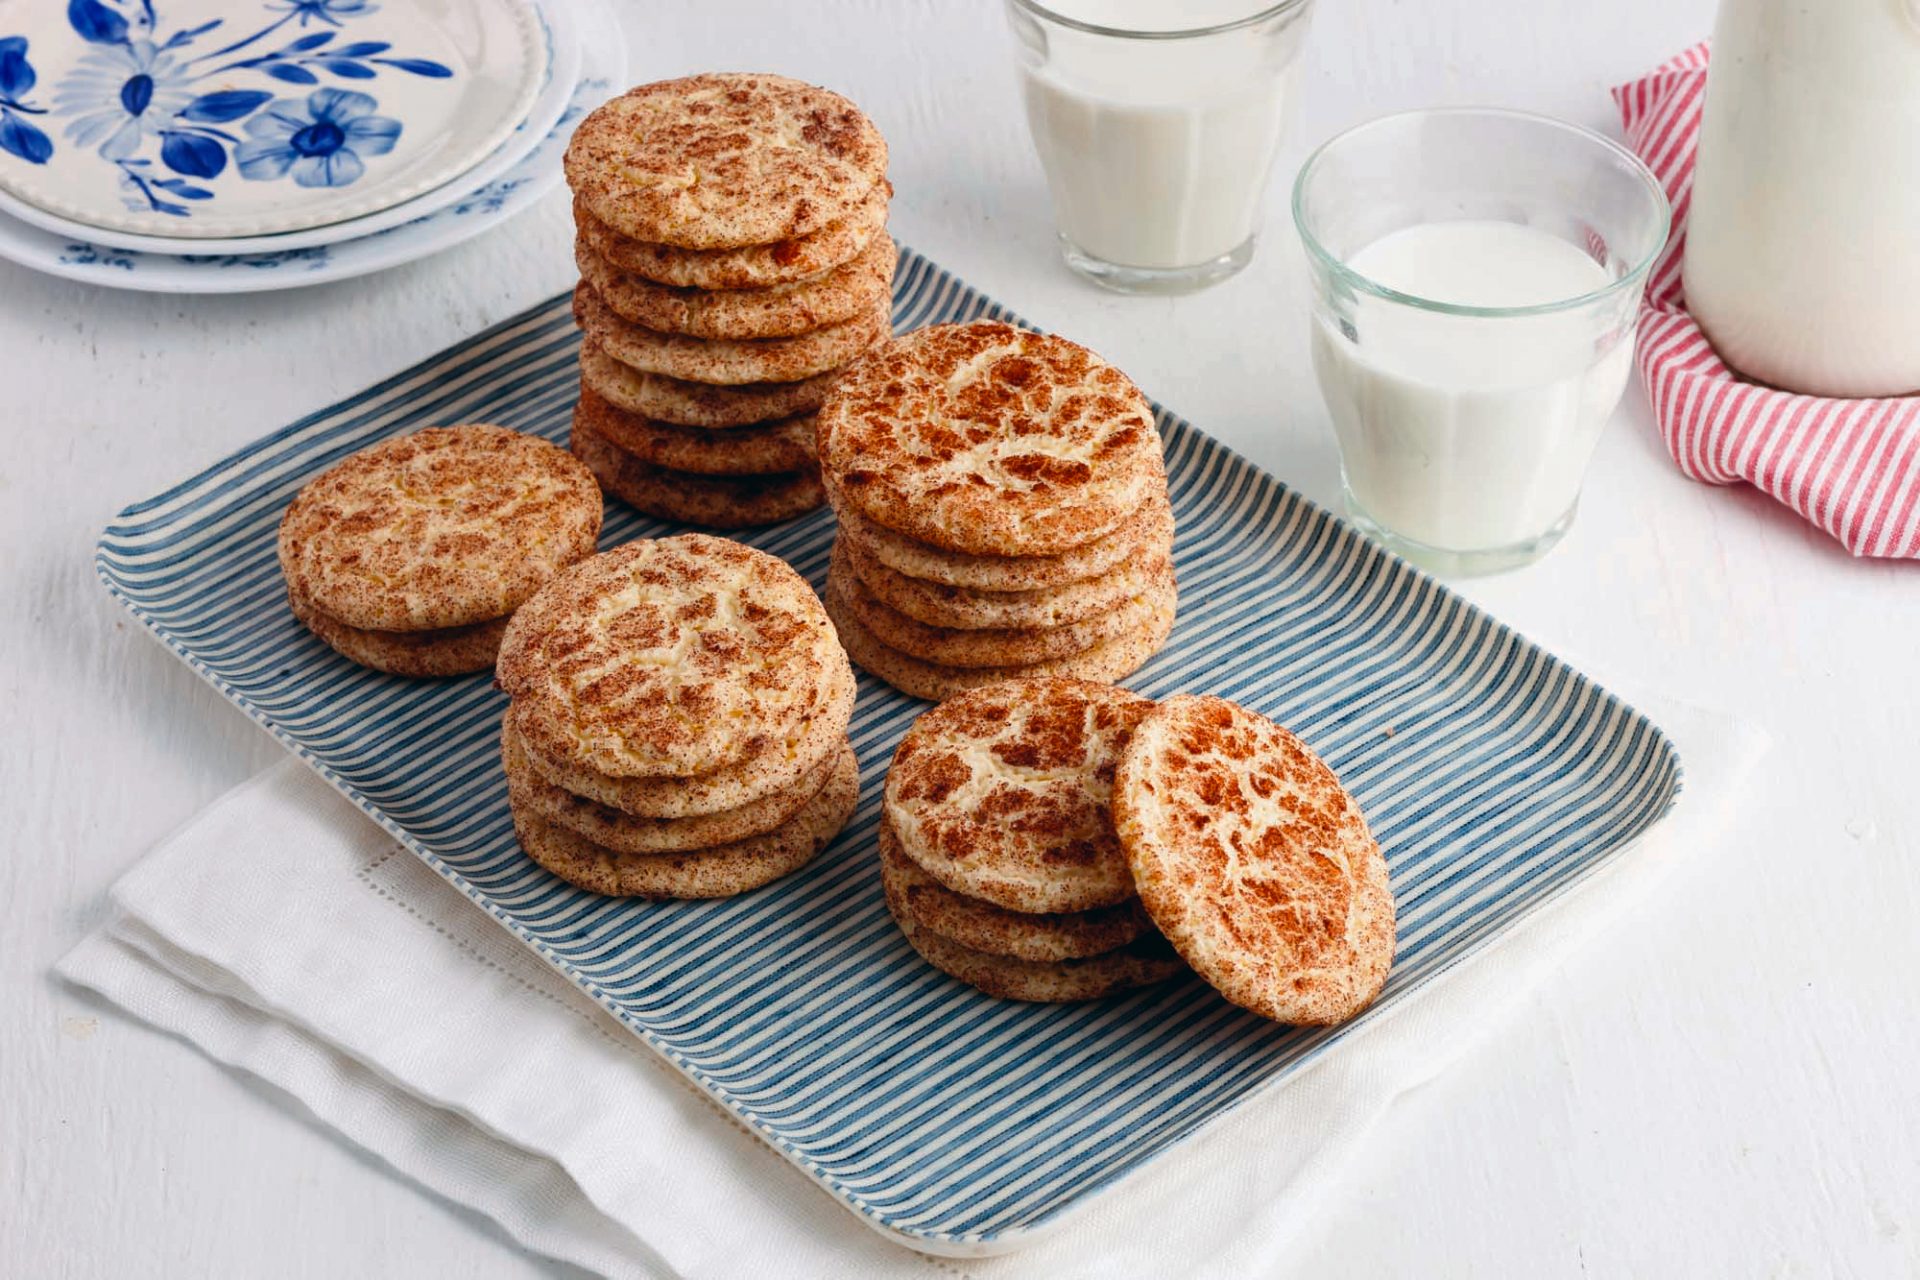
935 1243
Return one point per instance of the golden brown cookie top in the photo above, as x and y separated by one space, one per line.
992 440
1254 861
667 657
441 528
724 160
1002 793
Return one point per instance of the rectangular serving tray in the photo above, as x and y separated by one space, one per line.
1494 775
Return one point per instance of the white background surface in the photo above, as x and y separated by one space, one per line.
1726 1085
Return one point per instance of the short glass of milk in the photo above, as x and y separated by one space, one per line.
1157 122
1477 278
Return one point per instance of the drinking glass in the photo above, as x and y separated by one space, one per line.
1157 126
1465 428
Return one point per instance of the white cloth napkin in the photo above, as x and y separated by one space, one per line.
286 935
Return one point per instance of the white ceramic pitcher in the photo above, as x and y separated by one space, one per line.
1803 246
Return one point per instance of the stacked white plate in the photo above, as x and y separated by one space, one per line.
229 146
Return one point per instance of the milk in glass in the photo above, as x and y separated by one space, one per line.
1469 432
1157 151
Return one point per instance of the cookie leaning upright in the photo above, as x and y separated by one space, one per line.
410 555
998 854
1254 861
1003 511
678 717
733 256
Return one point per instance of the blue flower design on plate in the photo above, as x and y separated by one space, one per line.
88 255
17 78
533 175
491 198
319 140
333 11
140 98
121 95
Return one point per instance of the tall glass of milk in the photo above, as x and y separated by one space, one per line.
1477 278
1157 122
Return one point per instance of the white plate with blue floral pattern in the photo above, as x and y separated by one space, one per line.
223 118
603 72
561 36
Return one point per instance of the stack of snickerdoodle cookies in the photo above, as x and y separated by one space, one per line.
410 556
1053 839
1002 509
678 724
997 852
733 255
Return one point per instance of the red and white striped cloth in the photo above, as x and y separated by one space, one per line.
1850 466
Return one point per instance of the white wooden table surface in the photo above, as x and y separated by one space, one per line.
1726 1085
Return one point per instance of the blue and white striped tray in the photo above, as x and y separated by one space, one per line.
1494 775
